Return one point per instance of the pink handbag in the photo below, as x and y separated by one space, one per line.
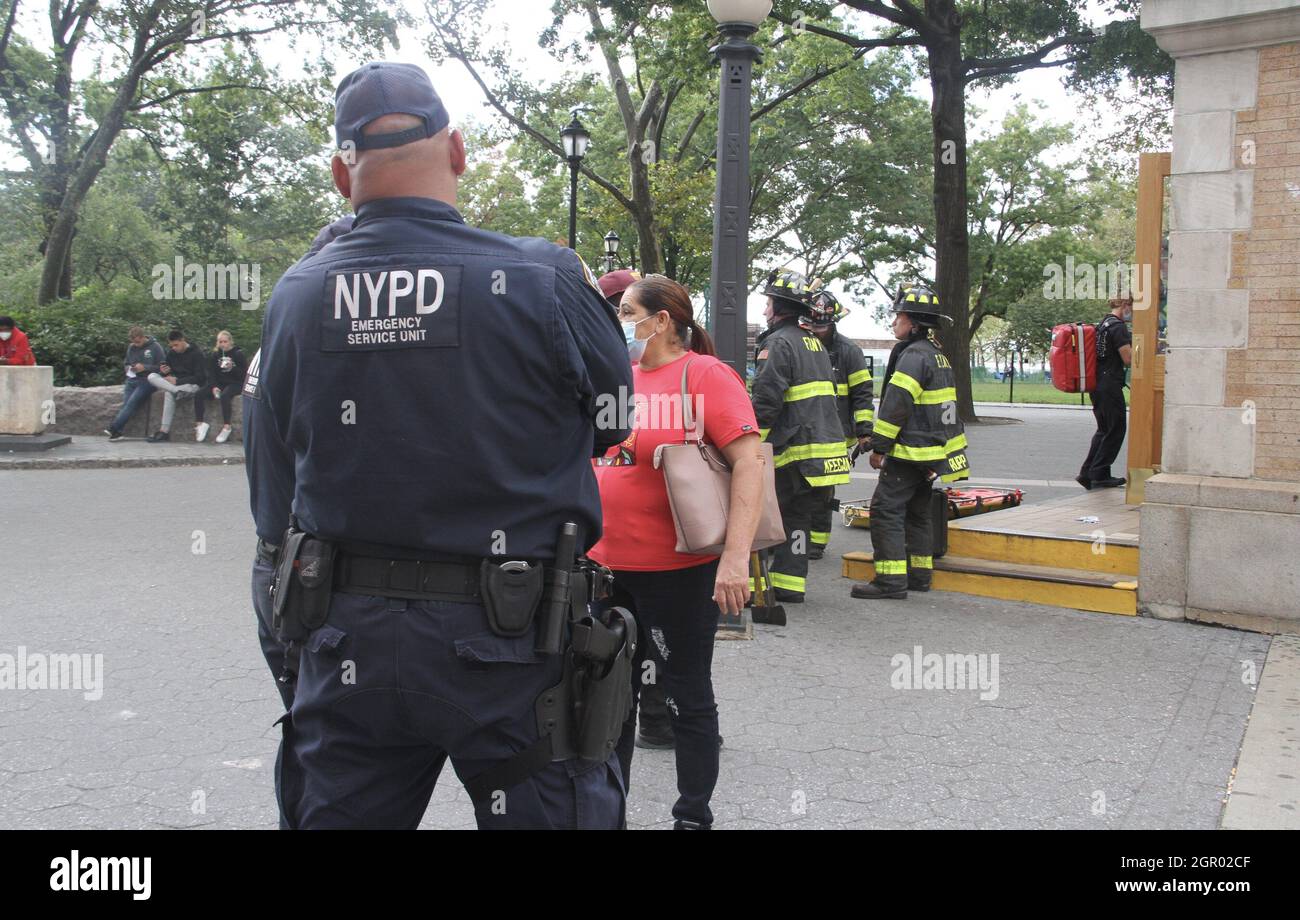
698 480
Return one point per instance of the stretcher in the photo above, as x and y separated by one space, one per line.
960 503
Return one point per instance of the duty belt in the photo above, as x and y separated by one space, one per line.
412 579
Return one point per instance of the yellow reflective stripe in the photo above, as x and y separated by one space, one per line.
841 389
788 582
762 586
937 397
850 443
817 536
838 479
809 452
905 382
763 433
891 567
862 376
863 415
903 452
921 562
956 444
953 477
809 390
886 429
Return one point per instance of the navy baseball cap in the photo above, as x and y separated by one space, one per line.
385 88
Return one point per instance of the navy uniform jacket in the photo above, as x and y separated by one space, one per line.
440 389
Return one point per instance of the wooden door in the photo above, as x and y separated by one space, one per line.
1147 375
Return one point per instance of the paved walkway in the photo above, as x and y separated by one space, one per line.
1093 721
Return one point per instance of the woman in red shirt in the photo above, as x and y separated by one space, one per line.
675 596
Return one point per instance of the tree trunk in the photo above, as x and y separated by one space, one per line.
952 243
647 229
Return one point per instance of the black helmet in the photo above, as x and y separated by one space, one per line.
920 303
824 308
788 286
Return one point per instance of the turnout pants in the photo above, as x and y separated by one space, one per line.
388 690
820 535
901 530
1112 423
799 503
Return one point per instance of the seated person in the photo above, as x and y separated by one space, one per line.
181 375
144 356
14 350
225 379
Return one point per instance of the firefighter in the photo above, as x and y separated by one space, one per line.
794 403
917 438
852 397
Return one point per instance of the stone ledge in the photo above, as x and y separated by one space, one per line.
1224 493
1252 622
112 463
1188 27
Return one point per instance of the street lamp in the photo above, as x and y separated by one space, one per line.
576 140
611 250
729 287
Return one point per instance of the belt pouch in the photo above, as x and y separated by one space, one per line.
512 592
285 626
314 578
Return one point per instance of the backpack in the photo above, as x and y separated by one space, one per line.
1073 357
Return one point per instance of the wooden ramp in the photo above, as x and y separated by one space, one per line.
1079 552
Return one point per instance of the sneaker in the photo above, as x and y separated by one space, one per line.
225 434
201 431
158 436
875 591
655 742
113 435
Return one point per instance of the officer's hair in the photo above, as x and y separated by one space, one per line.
659 292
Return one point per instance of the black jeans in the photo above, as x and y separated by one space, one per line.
204 396
677 619
1112 422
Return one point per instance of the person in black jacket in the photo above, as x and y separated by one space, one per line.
225 378
181 374
1114 354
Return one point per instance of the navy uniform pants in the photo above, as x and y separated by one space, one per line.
388 690
902 534
272 649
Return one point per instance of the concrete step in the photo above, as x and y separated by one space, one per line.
1055 586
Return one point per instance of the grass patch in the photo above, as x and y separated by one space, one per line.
1028 393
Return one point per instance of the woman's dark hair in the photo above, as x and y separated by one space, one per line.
659 292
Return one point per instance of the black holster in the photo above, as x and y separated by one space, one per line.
303 585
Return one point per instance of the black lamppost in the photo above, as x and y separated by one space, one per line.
576 140
729 288
611 250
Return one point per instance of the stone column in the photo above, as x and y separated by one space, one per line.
1221 523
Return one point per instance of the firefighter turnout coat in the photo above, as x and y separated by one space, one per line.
917 421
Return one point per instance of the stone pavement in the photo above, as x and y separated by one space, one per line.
1098 721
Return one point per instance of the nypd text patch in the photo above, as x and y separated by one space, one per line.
415 306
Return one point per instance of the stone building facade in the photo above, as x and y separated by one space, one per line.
1221 523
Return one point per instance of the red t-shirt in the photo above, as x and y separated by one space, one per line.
639 534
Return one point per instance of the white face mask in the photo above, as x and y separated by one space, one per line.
4 336
635 346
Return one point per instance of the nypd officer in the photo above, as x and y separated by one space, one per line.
918 438
439 391
794 402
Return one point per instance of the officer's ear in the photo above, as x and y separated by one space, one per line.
342 178
458 159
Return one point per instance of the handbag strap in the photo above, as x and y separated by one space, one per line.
688 412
